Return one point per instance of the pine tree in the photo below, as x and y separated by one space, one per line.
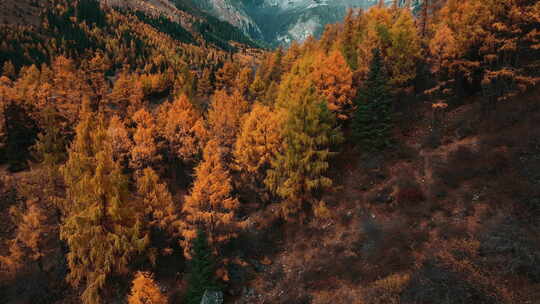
202 270
372 120
99 226
309 133
144 290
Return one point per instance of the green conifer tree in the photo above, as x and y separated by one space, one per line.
372 121
99 226
202 270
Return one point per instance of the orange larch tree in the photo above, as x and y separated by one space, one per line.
210 206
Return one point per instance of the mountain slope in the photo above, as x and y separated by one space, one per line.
281 21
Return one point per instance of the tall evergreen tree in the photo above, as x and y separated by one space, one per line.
202 270
372 120
99 226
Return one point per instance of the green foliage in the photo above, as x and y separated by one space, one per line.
202 270
372 120
299 168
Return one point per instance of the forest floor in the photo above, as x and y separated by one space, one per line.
449 224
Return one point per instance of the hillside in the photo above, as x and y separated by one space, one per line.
151 153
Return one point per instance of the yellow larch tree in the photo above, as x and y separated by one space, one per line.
260 137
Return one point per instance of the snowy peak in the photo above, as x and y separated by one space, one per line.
281 21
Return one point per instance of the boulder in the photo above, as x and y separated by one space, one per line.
212 297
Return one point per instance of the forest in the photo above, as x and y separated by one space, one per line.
395 159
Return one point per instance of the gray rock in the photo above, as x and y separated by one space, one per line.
212 297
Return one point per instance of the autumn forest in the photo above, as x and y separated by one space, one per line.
152 157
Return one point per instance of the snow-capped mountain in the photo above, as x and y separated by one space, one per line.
281 21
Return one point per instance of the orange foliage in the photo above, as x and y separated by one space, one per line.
334 81
144 290
224 117
182 127
145 152
210 205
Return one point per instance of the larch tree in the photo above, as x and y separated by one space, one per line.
374 33
157 212
50 147
224 117
334 82
257 89
226 76
145 290
99 227
29 246
372 119
182 127
210 205
260 137
299 168
120 141
204 83
8 70
50 152
349 39
68 88
145 151
243 81
127 95
96 68
405 49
